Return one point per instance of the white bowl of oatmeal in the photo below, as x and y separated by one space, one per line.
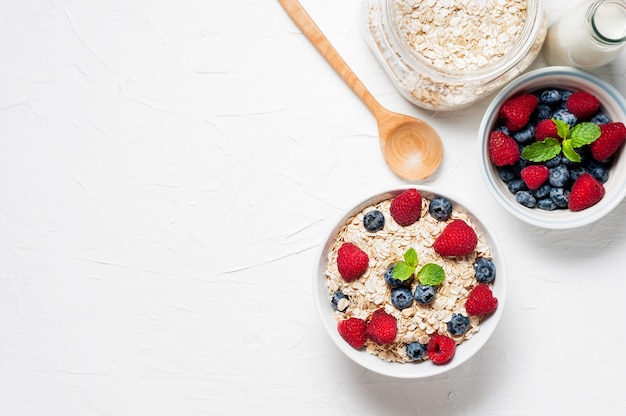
445 55
418 322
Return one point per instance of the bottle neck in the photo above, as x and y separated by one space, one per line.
607 21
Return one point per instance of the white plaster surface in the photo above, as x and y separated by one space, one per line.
168 169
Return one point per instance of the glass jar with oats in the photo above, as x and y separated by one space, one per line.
447 54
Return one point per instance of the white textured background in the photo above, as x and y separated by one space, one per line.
167 171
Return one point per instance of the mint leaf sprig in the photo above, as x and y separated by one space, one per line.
430 274
571 138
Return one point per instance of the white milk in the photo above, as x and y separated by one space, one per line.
573 41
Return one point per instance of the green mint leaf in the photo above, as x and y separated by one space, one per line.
562 128
569 152
542 151
584 133
402 271
431 274
410 258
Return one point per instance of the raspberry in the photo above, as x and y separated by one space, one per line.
583 105
406 208
352 262
546 128
611 137
381 328
441 349
457 239
503 150
516 111
534 176
352 330
586 191
480 300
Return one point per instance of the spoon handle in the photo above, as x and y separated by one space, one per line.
306 24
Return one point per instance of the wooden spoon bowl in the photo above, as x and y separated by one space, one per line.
411 147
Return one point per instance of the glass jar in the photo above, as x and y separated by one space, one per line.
447 54
589 36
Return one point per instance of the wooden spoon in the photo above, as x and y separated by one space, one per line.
411 147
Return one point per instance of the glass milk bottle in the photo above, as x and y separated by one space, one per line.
589 36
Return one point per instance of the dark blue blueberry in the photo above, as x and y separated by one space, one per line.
542 191
556 160
424 294
565 94
506 173
526 198
564 115
576 171
374 221
517 185
337 296
598 171
415 350
600 118
440 208
559 176
520 164
458 324
560 197
392 281
401 297
551 97
525 135
504 129
543 112
546 204
485 270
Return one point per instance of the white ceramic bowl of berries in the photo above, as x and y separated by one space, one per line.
410 282
552 148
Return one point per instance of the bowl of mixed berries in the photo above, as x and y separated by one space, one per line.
551 147
410 282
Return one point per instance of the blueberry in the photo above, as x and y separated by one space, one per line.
600 118
560 197
401 297
458 324
598 171
517 185
525 198
392 281
416 350
337 296
504 129
526 134
565 94
552 96
576 171
440 208
556 160
424 294
374 221
546 204
543 112
559 176
520 164
565 116
506 173
542 191
485 270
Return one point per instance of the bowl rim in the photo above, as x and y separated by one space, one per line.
557 219
408 370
